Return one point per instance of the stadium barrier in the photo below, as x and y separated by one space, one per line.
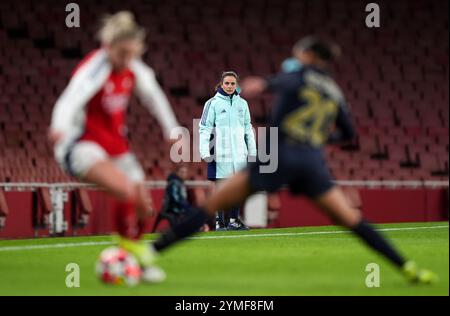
4 210
71 209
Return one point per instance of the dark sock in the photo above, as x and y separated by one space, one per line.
184 228
220 217
234 213
374 239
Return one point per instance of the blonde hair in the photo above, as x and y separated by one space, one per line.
119 26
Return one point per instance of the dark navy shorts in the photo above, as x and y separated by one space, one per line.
211 171
303 170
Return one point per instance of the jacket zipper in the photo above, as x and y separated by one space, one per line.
232 145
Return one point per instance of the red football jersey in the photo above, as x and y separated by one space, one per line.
93 105
105 111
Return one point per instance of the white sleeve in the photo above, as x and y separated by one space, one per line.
153 97
86 81
206 127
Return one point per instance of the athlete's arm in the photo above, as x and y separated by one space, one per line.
252 86
344 127
279 82
86 81
153 97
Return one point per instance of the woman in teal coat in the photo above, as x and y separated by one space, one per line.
226 127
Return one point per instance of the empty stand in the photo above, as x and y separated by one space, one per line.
395 78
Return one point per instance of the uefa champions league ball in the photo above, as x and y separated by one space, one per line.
117 266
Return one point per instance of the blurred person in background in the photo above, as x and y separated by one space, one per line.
176 203
226 123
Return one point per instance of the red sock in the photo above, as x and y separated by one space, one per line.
126 220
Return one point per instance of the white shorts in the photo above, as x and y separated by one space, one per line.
80 157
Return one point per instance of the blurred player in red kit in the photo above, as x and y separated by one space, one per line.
89 133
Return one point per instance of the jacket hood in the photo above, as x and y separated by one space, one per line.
222 92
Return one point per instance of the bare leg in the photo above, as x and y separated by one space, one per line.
145 202
133 201
335 205
106 175
231 192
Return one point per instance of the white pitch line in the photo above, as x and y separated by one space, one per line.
63 245
99 243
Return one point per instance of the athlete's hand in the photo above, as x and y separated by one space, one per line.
252 86
208 159
54 137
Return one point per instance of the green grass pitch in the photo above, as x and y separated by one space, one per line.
291 261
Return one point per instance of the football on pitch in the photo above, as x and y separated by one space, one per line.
117 266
